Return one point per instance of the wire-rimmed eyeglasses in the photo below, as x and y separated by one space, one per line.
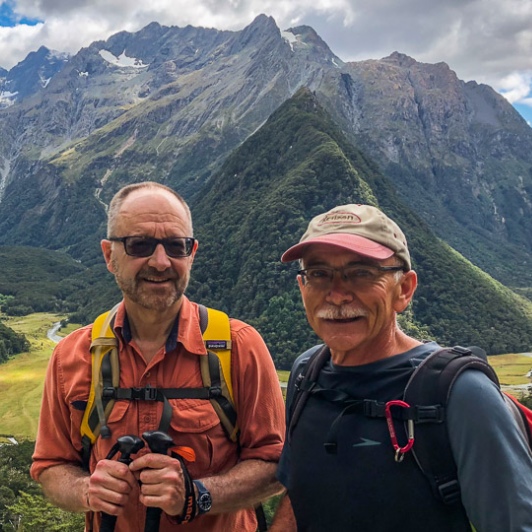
354 275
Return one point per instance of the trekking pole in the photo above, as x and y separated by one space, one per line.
159 442
126 445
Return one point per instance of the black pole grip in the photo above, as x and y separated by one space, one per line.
126 445
153 518
108 523
159 442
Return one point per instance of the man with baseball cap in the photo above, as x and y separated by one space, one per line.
338 464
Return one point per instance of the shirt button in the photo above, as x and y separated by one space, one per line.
148 375
147 419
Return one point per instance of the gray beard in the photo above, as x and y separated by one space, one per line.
134 290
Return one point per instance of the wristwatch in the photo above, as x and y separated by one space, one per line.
204 500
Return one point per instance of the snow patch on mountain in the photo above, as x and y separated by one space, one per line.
290 38
122 60
4 172
7 98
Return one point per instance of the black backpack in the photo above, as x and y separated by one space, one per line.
423 405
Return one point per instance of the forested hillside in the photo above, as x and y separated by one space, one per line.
297 165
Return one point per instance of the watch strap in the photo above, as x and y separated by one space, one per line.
203 493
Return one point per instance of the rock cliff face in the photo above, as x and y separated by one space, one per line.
458 153
170 104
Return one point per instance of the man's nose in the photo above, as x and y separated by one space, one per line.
340 290
159 259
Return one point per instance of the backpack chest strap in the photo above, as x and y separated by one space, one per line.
149 393
372 408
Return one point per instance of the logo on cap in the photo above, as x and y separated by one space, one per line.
340 217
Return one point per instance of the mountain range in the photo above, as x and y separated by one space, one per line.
260 129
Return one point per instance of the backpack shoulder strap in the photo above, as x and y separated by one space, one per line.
305 382
105 374
216 374
428 392
216 367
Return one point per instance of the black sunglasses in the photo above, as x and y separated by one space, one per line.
144 246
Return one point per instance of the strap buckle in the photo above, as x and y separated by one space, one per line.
144 394
108 392
215 391
399 451
449 491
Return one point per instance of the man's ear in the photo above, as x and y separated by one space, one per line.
106 250
405 290
194 249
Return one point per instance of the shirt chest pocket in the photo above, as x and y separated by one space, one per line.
193 415
120 421
195 424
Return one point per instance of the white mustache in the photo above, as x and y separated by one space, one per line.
340 313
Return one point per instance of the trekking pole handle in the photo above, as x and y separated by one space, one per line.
159 442
126 445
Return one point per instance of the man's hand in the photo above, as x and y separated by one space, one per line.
110 487
162 482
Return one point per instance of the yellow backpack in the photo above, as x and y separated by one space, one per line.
215 373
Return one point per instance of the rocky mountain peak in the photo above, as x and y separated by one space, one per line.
170 104
31 75
399 59
308 39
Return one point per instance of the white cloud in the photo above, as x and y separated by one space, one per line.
488 41
17 42
516 87
70 25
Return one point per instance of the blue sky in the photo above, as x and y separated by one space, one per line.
9 19
525 111
487 41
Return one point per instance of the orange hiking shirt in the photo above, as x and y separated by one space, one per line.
194 423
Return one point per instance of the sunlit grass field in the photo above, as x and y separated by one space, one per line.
22 377
512 369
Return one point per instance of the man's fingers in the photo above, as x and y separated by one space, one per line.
110 487
108 501
154 461
162 482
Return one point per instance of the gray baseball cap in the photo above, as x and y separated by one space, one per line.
363 229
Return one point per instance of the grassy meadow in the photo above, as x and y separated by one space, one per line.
22 377
512 370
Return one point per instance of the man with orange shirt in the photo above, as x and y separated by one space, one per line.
150 250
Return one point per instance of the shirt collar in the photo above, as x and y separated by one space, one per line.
185 330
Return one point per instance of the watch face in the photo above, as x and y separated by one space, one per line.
204 502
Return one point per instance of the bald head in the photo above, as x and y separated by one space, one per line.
135 192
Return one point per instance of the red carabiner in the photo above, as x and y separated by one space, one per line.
399 451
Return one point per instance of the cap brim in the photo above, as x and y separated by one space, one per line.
356 244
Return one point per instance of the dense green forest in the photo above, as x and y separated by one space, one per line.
42 280
22 505
11 343
297 165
